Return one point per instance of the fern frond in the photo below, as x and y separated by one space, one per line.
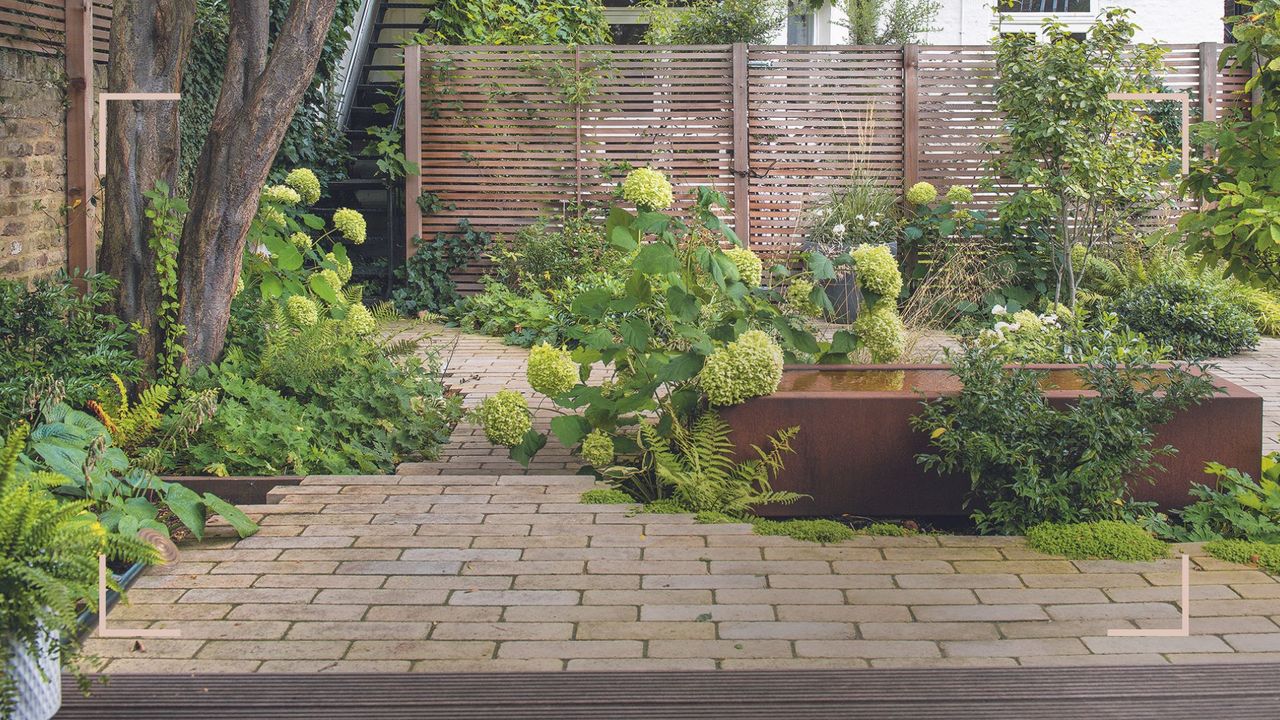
385 312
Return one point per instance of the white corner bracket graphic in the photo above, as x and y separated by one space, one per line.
1185 630
102 117
106 632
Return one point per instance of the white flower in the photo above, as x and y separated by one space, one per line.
1001 327
838 229
820 212
999 310
859 217
1049 320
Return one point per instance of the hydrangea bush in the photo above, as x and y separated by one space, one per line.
649 190
748 367
504 417
551 371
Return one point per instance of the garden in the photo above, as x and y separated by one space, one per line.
1006 357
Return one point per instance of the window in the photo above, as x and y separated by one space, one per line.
1045 6
800 29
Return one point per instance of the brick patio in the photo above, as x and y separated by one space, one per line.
469 563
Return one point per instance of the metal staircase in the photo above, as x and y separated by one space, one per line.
372 69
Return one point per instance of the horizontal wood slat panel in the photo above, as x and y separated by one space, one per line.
38 26
504 142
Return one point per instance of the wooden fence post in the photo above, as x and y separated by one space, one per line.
82 234
577 136
1209 81
741 161
910 115
412 145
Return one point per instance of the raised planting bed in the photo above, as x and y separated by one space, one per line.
856 451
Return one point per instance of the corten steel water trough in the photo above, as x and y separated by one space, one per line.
856 451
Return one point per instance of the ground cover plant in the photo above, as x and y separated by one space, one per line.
1102 539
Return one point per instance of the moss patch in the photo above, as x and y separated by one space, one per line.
665 506
1245 552
883 529
606 496
1105 539
819 531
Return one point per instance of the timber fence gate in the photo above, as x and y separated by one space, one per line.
504 135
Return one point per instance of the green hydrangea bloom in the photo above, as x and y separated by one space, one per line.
359 321
335 282
798 293
922 193
877 271
306 183
269 215
551 371
1027 320
647 189
597 449
880 329
301 240
504 417
239 285
344 266
745 368
351 224
301 310
959 195
281 195
750 266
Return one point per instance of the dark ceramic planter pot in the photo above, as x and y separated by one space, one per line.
843 291
856 451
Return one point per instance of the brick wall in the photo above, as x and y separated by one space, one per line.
33 164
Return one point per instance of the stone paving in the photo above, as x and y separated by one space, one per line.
473 563
1259 371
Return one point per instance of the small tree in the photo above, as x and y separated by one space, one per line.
1085 167
1238 182
887 22
715 22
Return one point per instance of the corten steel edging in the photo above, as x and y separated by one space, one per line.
856 451
238 490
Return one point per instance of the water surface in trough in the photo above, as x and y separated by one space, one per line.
906 381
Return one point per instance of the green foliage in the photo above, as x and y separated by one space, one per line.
859 212
887 22
314 138
166 214
1236 181
55 342
1103 539
1064 336
1237 507
1086 167
714 22
1189 317
1262 305
606 496
428 275
878 325
126 497
48 563
524 317
1029 462
1260 554
518 22
696 466
543 254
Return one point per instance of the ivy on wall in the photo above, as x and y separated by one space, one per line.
314 140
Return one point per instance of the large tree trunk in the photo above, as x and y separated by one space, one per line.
260 94
149 43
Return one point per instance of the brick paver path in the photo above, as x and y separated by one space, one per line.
1259 371
470 563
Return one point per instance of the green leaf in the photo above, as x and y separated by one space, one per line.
821 267
682 367
656 259
289 259
593 303
798 340
323 289
636 332
312 221
570 429
843 341
187 506
243 526
270 287
529 446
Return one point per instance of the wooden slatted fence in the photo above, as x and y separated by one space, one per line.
39 26
511 134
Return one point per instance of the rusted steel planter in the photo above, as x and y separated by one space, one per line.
856 451
238 490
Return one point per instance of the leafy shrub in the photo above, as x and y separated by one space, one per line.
427 278
1262 305
504 417
1188 316
1029 462
714 22
861 212
525 318
1066 337
606 496
1105 539
543 254
51 333
1237 507
697 468
1245 552
48 564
